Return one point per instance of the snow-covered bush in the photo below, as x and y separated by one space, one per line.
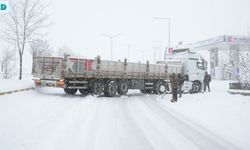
240 70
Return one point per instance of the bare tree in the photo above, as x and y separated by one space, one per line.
40 48
24 21
7 63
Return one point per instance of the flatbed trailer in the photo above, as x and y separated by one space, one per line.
98 76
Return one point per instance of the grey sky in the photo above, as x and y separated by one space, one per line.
80 23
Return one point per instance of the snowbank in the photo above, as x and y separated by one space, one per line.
12 84
242 92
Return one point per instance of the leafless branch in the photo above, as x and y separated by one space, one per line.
7 62
24 22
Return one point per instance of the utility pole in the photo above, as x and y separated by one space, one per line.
111 42
168 19
129 46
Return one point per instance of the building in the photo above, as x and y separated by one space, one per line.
223 52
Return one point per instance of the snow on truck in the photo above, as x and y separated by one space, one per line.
96 76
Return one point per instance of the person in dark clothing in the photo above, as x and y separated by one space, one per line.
180 80
206 81
174 86
186 78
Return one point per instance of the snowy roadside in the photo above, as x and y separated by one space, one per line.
221 112
14 84
242 92
47 118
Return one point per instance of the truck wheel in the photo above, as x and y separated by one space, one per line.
161 87
84 92
97 87
110 89
70 91
122 88
143 91
146 91
196 87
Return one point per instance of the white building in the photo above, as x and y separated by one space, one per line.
222 52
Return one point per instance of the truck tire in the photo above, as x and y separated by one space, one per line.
146 91
97 87
122 88
143 91
70 91
196 87
155 87
110 89
161 87
84 92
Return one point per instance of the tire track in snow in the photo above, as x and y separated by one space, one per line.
106 131
64 132
130 134
204 139
153 129
89 140
35 117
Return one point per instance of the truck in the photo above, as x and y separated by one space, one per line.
97 76
194 67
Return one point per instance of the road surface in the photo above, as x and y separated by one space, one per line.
49 119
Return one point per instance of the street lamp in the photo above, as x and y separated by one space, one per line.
129 46
111 42
165 18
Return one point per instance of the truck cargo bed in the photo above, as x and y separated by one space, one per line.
59 68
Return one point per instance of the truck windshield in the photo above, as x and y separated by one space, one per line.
202 64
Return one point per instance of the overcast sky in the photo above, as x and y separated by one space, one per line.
79 24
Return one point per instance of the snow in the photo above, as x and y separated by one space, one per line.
46 118
221 112
234 91
12 84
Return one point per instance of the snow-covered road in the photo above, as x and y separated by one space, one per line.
48 119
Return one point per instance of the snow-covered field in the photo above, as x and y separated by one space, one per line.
11 84
47 119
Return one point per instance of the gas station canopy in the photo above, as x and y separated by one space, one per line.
223 43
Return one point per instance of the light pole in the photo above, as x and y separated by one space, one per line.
165 18
111 42
129 46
